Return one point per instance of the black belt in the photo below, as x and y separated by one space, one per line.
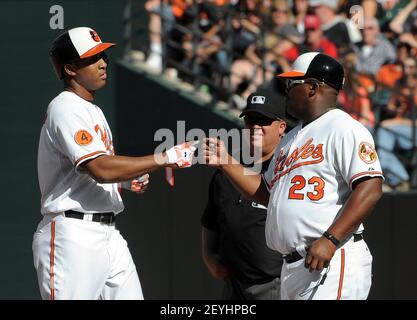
292 257
295 256
105 217
357 237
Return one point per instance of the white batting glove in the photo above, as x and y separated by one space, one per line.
182 154
138 185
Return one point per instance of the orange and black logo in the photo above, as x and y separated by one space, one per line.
95 36
367 152
83 137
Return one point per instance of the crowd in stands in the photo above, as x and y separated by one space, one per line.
236 46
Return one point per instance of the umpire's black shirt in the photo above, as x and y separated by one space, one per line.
241 227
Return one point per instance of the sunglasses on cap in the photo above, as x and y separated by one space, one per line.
291 83
259 120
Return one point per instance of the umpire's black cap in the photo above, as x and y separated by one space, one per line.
270 104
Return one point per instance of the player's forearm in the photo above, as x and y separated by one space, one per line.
359 205
111 169
250 185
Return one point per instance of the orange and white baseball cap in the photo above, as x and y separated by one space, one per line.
74 44
87 42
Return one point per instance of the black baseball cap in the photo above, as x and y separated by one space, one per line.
267 103
319 66
270 104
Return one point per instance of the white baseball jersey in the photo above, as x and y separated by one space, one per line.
74 131
310 178
74 258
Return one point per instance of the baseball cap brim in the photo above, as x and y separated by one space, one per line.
291 122
262 112
97 49
291 74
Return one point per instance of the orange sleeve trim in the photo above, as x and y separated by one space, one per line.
52 261
367 173
89 156
342 273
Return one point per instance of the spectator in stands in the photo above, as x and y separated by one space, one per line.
262 65
281 15
403 21
299 10
386 79
157 9
411 37
246 58
184 13
375 50
336 28
204 47
282 28
395 135
354 97
246 26
288 44
390 9
390 73
369 8
314 39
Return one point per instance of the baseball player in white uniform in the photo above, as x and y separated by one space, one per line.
78 251
323 180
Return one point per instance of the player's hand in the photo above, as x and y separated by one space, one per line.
214 152
138 185
319 254
181 156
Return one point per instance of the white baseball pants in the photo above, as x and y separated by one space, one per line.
348 278
83 260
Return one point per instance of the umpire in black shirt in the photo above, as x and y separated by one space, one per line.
233 228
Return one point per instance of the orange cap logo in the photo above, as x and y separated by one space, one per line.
95 36
83 137
367 153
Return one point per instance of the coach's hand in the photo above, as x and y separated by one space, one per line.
319 254
215 152
181 155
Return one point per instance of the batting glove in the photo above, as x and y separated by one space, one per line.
182 154
137 185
